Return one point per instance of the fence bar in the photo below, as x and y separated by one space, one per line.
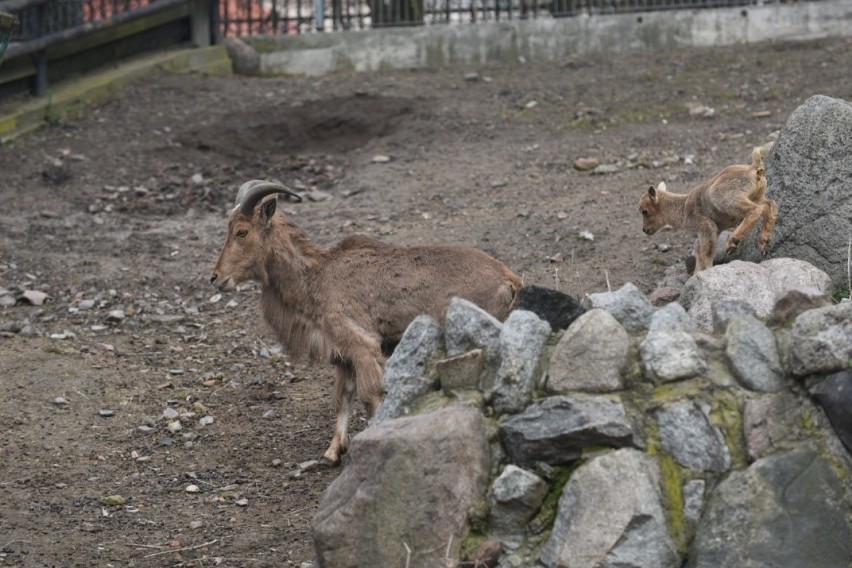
48 41
319 15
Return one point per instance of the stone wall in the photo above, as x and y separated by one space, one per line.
636 437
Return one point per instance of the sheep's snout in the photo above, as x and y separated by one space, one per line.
647 231
224 284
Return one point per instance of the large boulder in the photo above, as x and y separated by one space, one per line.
822 340
521 342
402 475
785 511
556 430
759 285
809 174
611 514
582 362
834 394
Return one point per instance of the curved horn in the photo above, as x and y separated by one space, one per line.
241 194
251 192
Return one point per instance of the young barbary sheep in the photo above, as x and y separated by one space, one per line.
351 303
734 196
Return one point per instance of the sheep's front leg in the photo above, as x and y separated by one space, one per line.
344 392
705 250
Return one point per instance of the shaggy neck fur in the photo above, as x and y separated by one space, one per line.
285 277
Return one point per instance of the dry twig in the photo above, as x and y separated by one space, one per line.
202 545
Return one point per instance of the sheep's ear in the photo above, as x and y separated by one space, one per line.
267 209
652 193
661 186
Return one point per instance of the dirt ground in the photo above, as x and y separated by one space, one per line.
123 208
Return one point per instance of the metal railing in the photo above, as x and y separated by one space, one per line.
260 17
47 24
8 24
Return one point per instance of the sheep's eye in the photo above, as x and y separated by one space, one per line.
644 212
242 232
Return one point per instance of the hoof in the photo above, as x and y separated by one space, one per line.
328 462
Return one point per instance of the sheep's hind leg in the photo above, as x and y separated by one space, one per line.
705 249
770 214
369 369
750 213
344 393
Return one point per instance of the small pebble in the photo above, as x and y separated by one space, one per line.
106 412
192 489
114 501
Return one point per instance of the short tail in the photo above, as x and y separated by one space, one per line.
759 167
757 160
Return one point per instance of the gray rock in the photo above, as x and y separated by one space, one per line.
556 430
515 498
834 394
670 318
610 515
769 423
722 311
462 371
521 342
664 295
759 285
822 340
34 297
404 392
245 60
628 305
582 362
686 434
809 173
115 316
795 301
410 480
785 511
404 381
421 343
468 327
693 500
753 355
671 356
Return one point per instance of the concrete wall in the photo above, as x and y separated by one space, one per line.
548 39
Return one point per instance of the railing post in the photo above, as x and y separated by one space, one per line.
319 15
39 58
199 16
215 21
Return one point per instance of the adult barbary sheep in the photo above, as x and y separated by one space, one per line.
347 303
734 196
